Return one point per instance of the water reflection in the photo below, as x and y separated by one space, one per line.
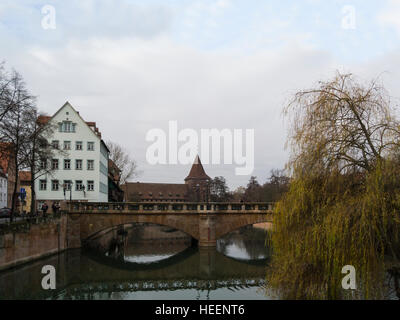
149 243
125 264
248 243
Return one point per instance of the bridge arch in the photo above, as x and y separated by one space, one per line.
94 224
227 223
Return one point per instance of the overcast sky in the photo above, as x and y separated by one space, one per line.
132 65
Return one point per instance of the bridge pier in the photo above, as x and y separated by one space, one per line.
207 257
207 236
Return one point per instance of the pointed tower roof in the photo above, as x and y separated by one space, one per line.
197 171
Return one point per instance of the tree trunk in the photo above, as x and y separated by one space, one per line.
33 193
14 196
33 167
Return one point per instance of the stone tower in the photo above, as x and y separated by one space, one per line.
198 183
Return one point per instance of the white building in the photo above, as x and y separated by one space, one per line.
3 189
82 169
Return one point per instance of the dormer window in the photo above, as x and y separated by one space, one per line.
66 126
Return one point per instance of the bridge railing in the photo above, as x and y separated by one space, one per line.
170 207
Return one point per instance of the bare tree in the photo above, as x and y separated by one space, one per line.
342 124
14 127
123 161
37 152
5 92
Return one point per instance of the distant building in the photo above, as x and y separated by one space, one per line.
8 167
195 188
81 174
198 182
115 193
3 188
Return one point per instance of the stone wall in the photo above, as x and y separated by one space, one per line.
23 242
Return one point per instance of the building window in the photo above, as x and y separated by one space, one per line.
43 164
54 185
90 185
78 164
66 126
55 144
67 185
90 164
67 145
78 185
67 164
42 185
54 164
78 145
90 146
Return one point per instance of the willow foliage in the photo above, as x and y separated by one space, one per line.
343 204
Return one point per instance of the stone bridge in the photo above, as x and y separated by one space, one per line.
204 222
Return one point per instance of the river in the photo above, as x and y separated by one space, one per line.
149 262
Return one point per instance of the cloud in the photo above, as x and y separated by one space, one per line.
390 16
129 86
83 19
131 74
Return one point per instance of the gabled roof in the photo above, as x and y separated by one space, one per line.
197 171
155 191
44 119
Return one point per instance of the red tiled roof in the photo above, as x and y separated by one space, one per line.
197 171
155 191
43 119
25 176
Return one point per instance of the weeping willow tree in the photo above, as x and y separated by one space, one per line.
343 204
